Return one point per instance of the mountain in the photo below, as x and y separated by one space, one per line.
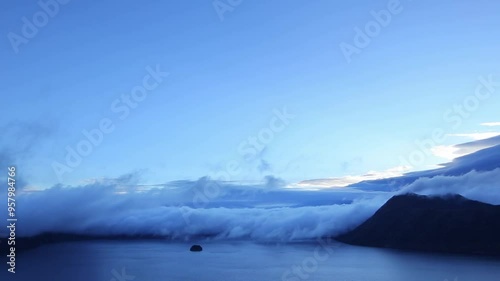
451 224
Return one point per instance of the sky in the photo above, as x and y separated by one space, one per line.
239 90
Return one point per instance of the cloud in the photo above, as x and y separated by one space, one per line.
260 211
477 136
471 147
451 152
128 179
482 160
481 186
20 141
273 182
491 124
264 166
349 180
239 211
347 165
448 152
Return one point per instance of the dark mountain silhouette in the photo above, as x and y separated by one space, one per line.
451 224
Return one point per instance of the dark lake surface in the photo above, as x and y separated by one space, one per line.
241 261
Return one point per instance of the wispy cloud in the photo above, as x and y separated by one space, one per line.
448 152
348 180
491 124
477 136
480 141
20 142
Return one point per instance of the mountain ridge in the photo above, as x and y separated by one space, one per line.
450 224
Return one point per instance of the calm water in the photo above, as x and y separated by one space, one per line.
155 261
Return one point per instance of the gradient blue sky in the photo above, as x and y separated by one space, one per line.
228 76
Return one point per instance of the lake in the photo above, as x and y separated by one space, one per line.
241 261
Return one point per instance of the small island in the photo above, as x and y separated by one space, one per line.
196 248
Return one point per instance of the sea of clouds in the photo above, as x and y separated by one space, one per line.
238 212
268 211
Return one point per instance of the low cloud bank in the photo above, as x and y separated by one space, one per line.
113 208
481 186
265 211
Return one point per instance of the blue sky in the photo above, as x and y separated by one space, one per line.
227 78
